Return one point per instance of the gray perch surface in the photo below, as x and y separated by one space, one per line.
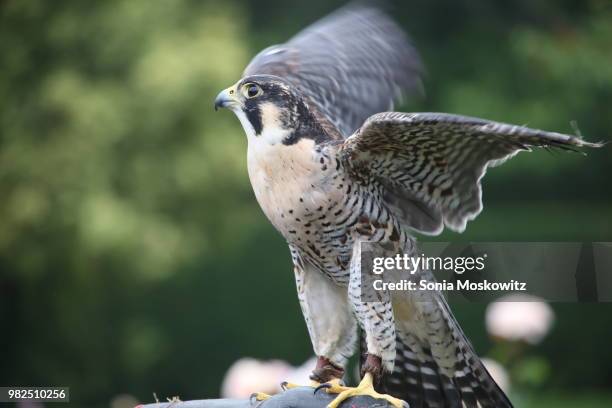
301 397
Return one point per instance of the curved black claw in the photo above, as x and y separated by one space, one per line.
284 385
324 385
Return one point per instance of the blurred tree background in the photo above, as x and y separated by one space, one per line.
133 256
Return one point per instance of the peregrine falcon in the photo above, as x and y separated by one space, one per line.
332 167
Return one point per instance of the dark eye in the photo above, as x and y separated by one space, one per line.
252 90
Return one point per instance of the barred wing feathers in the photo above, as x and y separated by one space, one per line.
351 64
430 164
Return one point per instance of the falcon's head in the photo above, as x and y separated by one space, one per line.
270 109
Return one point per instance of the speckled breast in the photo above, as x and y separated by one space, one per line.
308 198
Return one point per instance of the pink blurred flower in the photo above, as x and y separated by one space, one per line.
124 401
519 317
249 375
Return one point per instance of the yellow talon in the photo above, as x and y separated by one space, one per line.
365 387
335 386
286 385
260 396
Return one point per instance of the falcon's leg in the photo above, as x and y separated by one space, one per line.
376 319
331 323
324 372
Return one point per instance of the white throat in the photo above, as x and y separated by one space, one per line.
272 132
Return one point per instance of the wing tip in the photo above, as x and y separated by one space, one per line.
579 141
594 145
574 143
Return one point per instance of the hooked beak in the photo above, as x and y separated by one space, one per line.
226 98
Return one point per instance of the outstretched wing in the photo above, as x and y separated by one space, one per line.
430 164
352 64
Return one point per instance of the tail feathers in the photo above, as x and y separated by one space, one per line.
459 380
451 393
469 368
478 388
440 391
418 379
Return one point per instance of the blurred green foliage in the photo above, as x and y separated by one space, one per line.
133 256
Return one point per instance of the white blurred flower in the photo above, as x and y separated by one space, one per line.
519 317
124 401
249 375
498 372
